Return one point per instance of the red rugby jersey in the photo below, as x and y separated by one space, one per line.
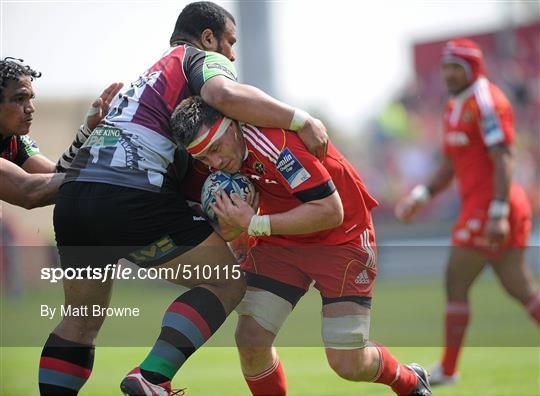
475 120
286 175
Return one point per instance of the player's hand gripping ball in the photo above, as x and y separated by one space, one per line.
217 181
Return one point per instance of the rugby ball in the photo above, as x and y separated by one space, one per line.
230 183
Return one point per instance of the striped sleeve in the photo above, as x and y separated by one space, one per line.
496 124
299 172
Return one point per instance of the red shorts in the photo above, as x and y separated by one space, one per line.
340 270
469 230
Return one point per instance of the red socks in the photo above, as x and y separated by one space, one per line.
400 378
457 319
271 382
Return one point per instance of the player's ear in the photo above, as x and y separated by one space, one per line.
209 40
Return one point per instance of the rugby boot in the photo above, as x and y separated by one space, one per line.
422 387
439 378
134 384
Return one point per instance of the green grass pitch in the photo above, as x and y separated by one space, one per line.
502 357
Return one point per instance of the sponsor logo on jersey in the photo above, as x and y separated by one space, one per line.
492 129
457 138
104 137
222 68
291 169
259 167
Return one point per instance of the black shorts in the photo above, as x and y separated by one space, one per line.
97 224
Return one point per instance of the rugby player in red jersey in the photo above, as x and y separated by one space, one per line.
315 225
495 219
27 177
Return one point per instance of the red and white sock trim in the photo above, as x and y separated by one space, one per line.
457 307
265 373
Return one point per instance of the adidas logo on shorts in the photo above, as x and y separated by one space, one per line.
362 278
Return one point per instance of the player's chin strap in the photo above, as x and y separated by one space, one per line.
65 160
199 145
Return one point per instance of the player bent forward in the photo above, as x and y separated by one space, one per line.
302 214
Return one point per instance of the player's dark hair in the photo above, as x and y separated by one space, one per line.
188 118
13 69
198 16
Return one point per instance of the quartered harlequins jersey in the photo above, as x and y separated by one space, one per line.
18 149
134 147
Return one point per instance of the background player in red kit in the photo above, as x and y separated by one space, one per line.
495 218
314 224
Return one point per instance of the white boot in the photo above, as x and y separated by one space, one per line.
438 377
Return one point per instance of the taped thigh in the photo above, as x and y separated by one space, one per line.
269 310
345 332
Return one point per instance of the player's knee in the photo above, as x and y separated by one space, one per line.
520 294
456 290
85 329
250 336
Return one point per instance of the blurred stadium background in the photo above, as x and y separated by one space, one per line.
392 136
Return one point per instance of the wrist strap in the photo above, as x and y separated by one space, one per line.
421 194
259 225
299 120
498 208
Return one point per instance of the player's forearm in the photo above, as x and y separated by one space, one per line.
309 217
502 172
27 190
45 190
38 164
247 103
442 177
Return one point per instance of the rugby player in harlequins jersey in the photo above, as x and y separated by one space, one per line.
123 197
495 218
28 178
